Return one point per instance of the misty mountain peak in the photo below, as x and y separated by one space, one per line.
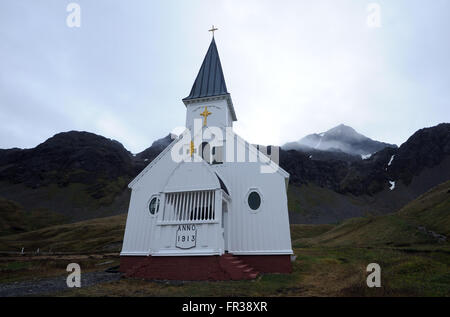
340 138
343 131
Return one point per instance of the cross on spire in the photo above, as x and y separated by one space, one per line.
213 29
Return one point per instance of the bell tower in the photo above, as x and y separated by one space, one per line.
209 99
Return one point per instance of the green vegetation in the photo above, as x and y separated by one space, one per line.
331 259
14 269
97 235
317 204
107 190
59 204
431 210
402 229
317 271
102 193
301 198
13 219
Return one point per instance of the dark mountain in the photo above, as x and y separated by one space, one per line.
80 175
427 148
68 157
142 159
303 169
341 138
157 147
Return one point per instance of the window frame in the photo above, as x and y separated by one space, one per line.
251 190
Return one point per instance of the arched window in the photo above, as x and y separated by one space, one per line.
211 155
205 152
217 154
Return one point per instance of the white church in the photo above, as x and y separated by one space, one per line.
211 206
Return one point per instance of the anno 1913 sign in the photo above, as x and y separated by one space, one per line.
186 236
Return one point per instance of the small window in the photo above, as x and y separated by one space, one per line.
211 154
217 153
153 206
254 200
205 152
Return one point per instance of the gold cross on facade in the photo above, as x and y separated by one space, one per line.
205 115
192 148
213 29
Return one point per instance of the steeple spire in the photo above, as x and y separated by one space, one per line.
210 80
209 87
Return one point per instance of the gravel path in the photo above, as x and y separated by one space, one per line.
54 284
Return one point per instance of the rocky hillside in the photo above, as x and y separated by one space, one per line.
332 190
71 176
142 159
426 149
423 221
79 175
69 157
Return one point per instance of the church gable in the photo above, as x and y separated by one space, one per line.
190 176
250 150
161 155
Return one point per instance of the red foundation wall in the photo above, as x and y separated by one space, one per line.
195 268
173 267
268 263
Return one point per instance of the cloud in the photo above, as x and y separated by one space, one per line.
292 67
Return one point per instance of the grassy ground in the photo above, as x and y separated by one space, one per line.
13 218
331 259
98 235
313 204
430 212
317 271
53 204
15 269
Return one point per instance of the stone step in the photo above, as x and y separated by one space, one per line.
253 275
237 268
242 266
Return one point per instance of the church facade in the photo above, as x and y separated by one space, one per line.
211 206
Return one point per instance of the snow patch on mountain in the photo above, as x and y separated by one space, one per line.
318 144
390 161
392 185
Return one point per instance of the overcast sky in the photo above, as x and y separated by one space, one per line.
292 67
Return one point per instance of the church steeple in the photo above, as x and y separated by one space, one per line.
210 80
210 87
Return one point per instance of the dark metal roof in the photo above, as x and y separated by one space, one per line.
210 80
